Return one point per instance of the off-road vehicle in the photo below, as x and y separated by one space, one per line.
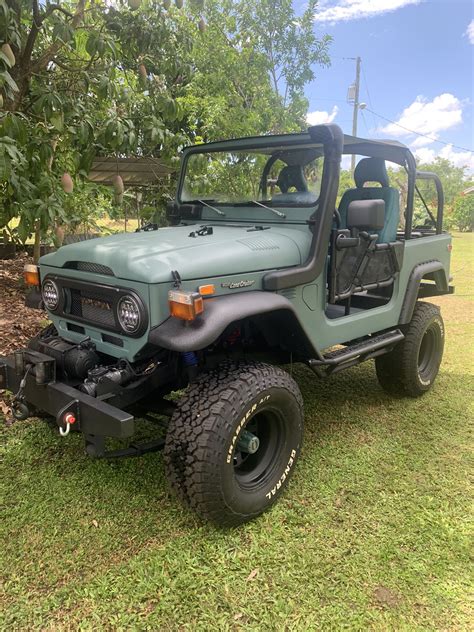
259 268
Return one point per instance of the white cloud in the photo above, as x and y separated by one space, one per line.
458 158
470 32
422 141
431 118
427 117
344 10
321 117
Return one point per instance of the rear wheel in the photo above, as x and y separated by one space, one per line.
234 440
411 368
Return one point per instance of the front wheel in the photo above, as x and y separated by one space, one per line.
411 368
233 441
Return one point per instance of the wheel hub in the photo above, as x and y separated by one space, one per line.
248 442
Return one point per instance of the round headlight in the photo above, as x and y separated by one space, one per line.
50 293
129 314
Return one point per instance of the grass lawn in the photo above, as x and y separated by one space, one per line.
373 532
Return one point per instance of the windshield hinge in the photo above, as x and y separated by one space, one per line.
202 232
176 278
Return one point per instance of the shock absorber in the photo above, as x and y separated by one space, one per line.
190 361
189 358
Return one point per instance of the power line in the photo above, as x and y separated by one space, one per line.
365 122
434 140
411 131
369 97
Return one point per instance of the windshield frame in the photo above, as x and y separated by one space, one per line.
221 148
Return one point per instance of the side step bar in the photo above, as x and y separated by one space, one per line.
336 361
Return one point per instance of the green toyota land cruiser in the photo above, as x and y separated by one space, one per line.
259 268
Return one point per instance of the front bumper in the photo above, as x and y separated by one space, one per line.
94 417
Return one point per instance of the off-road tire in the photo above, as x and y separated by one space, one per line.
202 461
411 368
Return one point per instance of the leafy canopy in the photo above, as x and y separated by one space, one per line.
86 77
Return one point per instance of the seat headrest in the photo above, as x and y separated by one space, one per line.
371 170
292 176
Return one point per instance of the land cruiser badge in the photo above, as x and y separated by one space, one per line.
234 285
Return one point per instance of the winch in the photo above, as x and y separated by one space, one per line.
75 360
103 375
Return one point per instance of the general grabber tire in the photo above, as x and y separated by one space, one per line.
211 457
411 368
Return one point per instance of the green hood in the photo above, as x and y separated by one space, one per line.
149 257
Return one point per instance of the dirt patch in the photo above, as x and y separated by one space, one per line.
18 323
385 598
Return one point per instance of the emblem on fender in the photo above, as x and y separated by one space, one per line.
233 285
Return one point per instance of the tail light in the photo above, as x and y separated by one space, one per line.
185 305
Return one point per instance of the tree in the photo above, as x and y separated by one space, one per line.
82 80
251 67
144 77
462 215
453 178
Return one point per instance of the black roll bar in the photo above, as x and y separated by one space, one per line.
411 173
428 175
332 139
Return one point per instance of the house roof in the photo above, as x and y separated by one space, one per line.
133 171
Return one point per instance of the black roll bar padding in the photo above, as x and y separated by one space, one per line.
266 170
428 175
332 139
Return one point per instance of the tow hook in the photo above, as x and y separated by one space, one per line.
248 442
69 419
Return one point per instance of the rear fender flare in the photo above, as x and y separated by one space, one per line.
433 270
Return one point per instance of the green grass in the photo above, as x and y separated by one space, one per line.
373 532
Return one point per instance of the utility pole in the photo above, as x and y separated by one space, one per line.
356 108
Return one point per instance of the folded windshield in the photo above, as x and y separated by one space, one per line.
289 177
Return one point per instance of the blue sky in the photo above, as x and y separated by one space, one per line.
417 61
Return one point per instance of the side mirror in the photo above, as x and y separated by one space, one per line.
366 214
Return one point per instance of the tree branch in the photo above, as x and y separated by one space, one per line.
48 55
32 35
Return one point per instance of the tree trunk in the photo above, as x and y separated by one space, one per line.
37 244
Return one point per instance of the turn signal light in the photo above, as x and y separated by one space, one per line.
31 275
185 305
207 290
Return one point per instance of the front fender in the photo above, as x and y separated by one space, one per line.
219 312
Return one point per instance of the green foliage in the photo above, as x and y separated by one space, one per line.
77 94
462 215
250 69
453 178
91 79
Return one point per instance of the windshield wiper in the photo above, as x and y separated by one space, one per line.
269 208
204 203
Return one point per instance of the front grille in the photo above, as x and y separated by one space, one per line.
96 304
86 266
93 307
